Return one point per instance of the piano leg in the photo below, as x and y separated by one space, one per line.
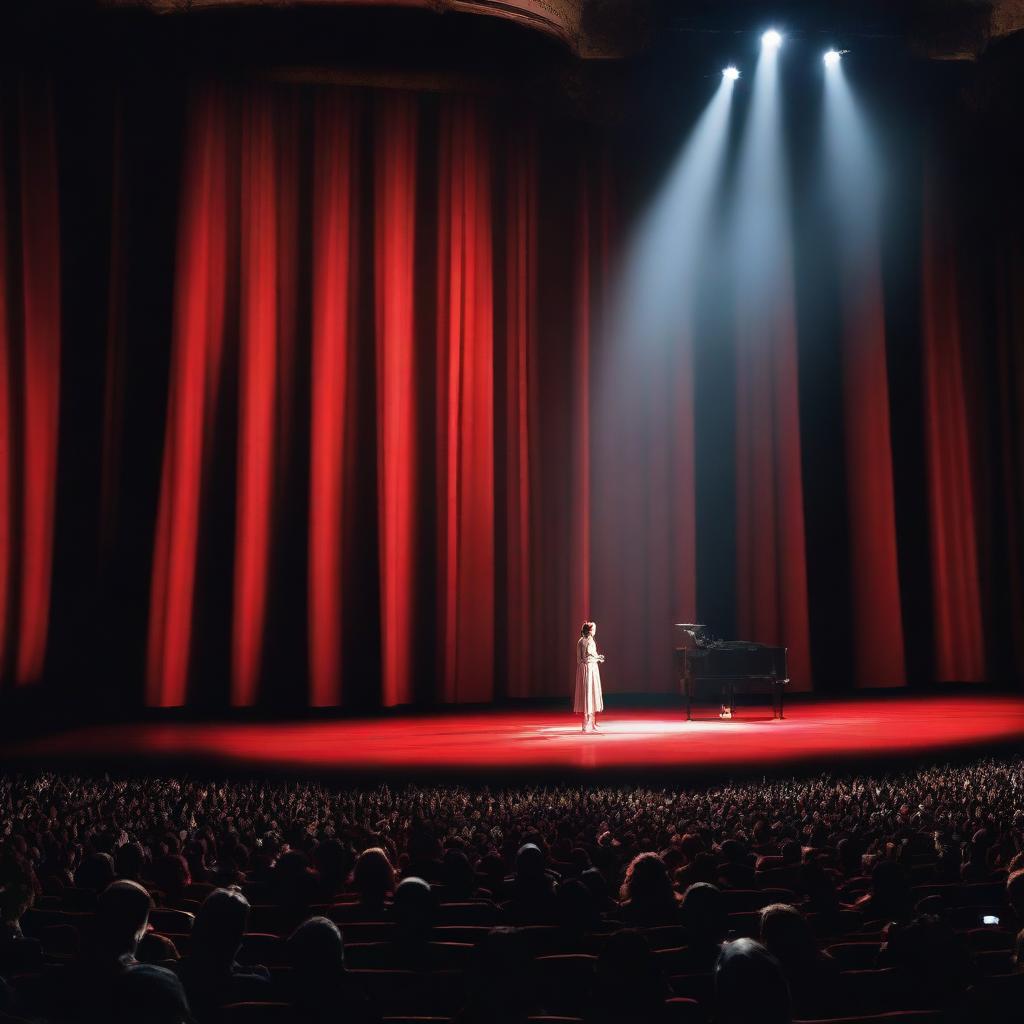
688 684
781 687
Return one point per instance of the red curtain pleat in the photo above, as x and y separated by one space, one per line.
465 404
1010 363
874 565
258 378
334 234
194 378
959 651
40 267
397 387
6 432
770 555
521 397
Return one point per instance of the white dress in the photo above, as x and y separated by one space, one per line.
588 699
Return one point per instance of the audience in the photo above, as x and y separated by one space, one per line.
662 887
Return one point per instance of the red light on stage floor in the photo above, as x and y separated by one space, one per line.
526 741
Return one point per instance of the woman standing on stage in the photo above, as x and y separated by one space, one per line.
588 700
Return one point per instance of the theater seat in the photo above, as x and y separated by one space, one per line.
257 1013
983 939
746 924
261 948
881 991
666 936
366 931
480 913
174 921
994 961
565 981
738 901
416 1020
413 993
854 956
896 1017
684 1011
698 987
999 998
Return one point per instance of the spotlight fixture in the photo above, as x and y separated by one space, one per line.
831 58
772 39
730 74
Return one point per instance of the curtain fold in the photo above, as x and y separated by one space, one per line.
397 365
521 413
41 328
465 404
959 650
879 656
335 227
194 385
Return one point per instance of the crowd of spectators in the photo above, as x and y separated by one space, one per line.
174 900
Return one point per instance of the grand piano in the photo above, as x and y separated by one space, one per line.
701 659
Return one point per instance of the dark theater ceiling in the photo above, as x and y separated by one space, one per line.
610 29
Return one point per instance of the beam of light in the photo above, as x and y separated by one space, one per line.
831 58
772 39
771 568
851 171
653 296
761 229
851 182
730 73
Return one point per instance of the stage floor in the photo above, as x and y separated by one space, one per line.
817 732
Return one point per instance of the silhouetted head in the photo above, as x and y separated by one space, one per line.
703 913
750 986
501 982
459 876
576 908
647 881
629 976
220 925
316 949
146 992
415 906
373 875
95 872
786 934
1015 891
122 916
529 863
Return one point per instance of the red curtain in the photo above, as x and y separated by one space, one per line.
521 414
770 555
878 649
959 649
6 427
194 385
335 229
465 404
397 363
435 415
266 345
30 384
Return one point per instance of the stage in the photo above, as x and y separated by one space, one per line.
818 733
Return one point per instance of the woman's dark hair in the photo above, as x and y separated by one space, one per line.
585 629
